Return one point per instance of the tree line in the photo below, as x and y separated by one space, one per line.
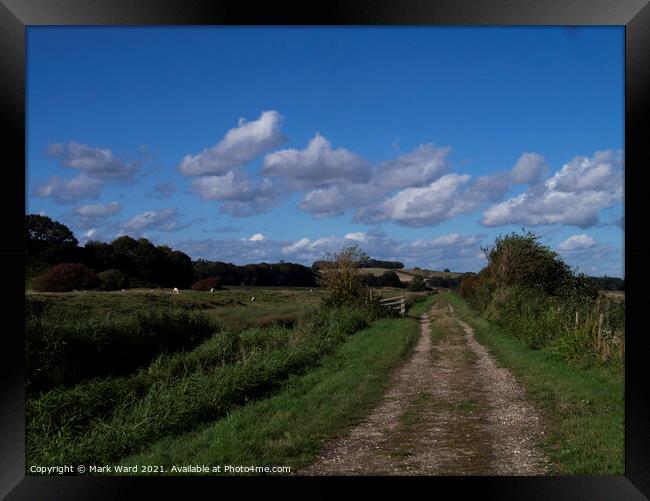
56 262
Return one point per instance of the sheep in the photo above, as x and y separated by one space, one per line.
311 290
212 290
176 291
253 299
123 290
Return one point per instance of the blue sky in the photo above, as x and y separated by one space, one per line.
260 144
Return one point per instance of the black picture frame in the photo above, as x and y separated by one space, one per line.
16 15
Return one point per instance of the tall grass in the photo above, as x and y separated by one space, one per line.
549 323
103 420
64 351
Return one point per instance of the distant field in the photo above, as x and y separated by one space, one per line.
232 308
618 295
406 275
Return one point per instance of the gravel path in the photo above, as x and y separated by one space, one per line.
450 410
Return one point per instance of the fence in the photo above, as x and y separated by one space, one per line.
395 303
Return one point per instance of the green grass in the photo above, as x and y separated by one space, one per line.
289 428
230 308
583 407
100 421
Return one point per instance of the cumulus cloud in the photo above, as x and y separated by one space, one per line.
454 251
69 191
575 195
239 146
257 237
162 220
586 255
242 196
318 165
529 169
419 167
98 210
417 207
576 242
96 162
414 189
90 216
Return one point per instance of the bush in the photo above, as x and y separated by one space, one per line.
341 276
111 280
65 277
417 284
207 283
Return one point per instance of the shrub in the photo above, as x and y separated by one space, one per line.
65 277
417 284
111 280
341 277
207 283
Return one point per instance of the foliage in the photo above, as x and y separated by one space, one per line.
341 277
262 274
530 291
63 351
65 277
386 279
205 284
101 421
111 280
417 284
366 262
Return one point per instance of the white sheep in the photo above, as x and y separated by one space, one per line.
253 299
176 291
123 290
211 290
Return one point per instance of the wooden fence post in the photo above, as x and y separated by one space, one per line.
600 334
576 318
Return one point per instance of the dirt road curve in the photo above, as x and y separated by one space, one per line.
450 410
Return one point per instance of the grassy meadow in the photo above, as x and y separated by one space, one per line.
111 374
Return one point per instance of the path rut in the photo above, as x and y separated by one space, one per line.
450 410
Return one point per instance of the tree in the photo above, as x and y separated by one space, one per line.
65 277
42 231
48 242
341 276
111 280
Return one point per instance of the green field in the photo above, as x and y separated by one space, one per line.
231 308
114 373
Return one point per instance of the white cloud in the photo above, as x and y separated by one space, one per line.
357 236
459 252
419 207
99 210
96 162
239 146
257 237
419 167
575 195
68 191
576 242
529 169
318 165
242 196
162 220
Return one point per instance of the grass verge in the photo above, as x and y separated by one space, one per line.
583 408
289 428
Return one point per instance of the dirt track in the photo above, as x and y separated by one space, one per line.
450 410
